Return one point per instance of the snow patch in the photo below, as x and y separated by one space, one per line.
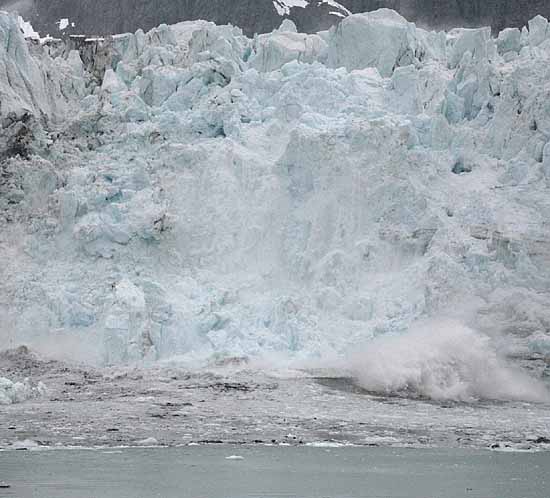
283 6
342 11
27 29
63 24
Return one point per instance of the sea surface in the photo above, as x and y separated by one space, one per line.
233 471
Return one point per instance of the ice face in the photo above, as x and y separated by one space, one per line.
381 39
34 85
190 191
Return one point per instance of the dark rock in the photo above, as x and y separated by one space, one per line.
104 17
231 386
459 168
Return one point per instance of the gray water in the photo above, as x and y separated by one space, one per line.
204 472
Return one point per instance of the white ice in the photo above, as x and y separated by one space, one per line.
17 392
193 193
63 24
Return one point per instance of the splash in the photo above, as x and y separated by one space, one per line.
443 360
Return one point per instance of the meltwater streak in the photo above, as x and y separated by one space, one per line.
443 360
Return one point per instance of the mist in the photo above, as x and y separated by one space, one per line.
443 360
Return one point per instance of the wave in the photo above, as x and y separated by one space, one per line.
443 360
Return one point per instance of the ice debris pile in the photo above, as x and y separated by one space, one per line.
17 392
190 191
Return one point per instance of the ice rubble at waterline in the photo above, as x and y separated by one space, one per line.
17 392
192 192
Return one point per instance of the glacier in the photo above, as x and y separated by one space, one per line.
190 193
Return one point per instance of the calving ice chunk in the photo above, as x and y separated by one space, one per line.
193 192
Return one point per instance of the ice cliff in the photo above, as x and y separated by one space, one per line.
191 191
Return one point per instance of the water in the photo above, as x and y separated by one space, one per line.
304 472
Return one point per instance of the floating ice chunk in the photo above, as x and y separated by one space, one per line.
25 444
327 444
234 457
150 441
